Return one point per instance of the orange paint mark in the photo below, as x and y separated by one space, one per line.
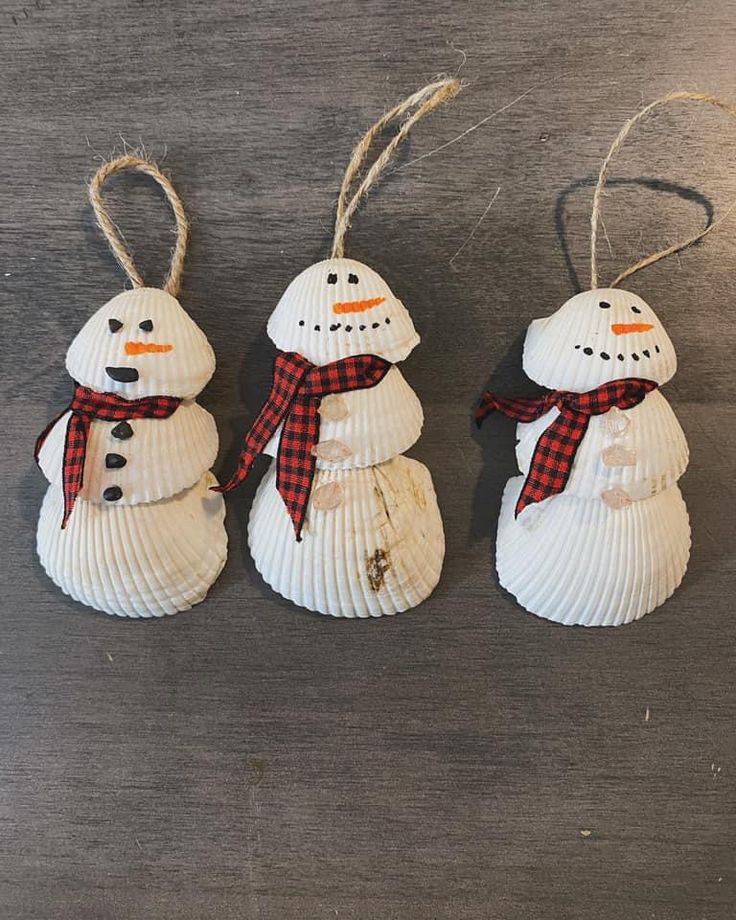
623 328
357 306
143 348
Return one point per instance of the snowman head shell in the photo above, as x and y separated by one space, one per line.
595 337
339 308
142 343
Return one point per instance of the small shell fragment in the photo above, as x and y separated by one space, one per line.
616 455
332 451
327 497
333 408
616 498
616 422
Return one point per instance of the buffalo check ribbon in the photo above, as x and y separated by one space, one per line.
87 406
296 393
557 445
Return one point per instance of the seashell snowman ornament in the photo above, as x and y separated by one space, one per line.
595 531
343 523
129 525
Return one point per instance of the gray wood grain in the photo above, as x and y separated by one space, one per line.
246 760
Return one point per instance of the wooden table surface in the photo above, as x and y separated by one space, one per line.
464 760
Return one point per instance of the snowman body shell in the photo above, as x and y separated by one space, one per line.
146 536
614 544
372 543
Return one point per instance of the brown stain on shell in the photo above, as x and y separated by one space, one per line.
377 564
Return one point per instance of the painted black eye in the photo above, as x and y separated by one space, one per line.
352 279
146 325
115 325
332 278
604 305
635 310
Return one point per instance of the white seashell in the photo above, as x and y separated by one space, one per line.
652 435
181 371
585 563
163 456
381 422
144 561
378 552
555 353
314 317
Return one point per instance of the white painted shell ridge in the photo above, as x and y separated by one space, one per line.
381 422
579 562
304 319
162 457
144 561
378 553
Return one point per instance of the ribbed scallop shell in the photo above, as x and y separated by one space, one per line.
379 551
143 561
162 457
555 348
578 561
642 449
308 302
182 371
372 425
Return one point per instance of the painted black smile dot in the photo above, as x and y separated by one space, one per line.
122 431
375 325
115 325
361 328
112 493
587 351
122 374
620 357
646 354
635 310
388 320
334 327
146 325
114 461
348 329
635 356
301 322
656 348
604 305
316 328
605 356
577 346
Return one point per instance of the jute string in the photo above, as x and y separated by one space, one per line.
682 96
113 234
426 99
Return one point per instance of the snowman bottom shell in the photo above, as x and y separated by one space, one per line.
372 544
577 561
146 560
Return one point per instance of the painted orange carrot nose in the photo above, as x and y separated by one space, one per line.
146 348
357 306
624 328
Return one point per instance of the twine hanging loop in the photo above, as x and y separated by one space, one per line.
680 96
424 101
112 233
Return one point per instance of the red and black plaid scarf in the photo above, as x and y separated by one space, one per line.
87 405
556 448
296 393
